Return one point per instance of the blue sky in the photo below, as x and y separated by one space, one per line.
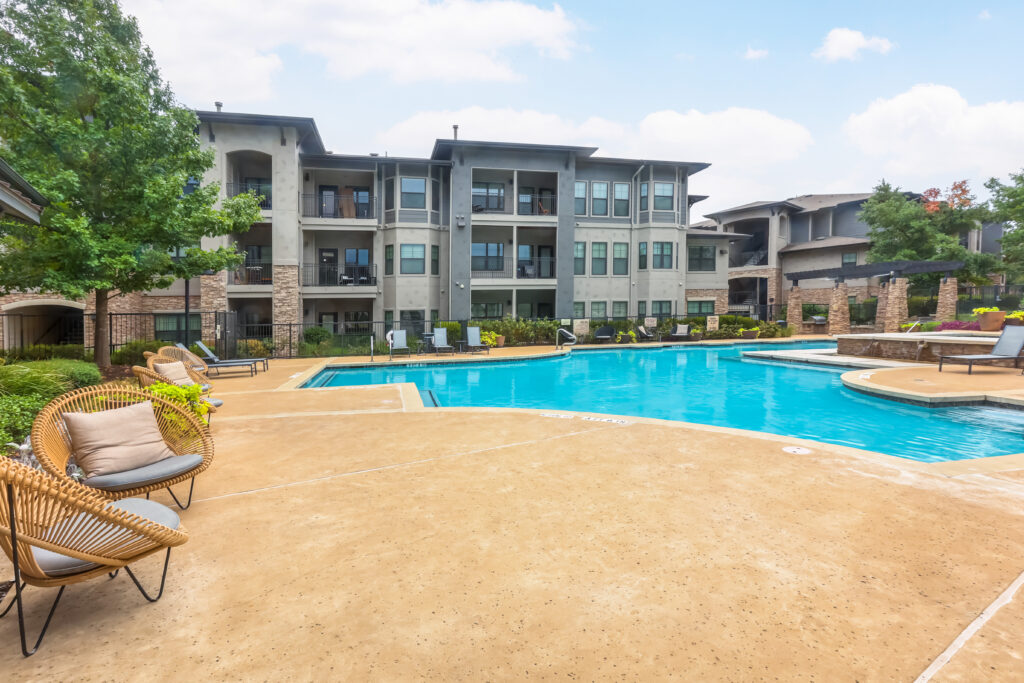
782 98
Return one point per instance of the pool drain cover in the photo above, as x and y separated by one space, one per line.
797 450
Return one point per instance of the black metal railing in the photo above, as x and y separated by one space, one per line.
534 268
331 205
523 205
253 273
262 190
496 267
330 275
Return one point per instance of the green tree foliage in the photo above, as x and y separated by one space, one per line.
1008 205
904 228
86 118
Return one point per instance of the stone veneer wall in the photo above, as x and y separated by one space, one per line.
895 312
946 307
213 296
721 297
896 349
287 309
839 310
773 275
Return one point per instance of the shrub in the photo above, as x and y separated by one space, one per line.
921 306
770 330
518 332
78 373
1009 302
959 325
131 352
454 330
724 332
22 380
16 416
316 335
255 348
189 396
46 352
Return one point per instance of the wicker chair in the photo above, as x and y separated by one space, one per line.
160 359
190 359
57 533
147 377
183 432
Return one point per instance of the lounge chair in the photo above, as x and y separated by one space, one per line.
441 341
57 533
212 361
643 335
187 437
603 334
680 332
398 342
473 342
1008 347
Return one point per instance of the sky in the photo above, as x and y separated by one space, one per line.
781 98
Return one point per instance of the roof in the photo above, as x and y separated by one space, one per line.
694 198
813 202
443 148
304 124
704 225
340 160
11 178
690 166
754 205
827 243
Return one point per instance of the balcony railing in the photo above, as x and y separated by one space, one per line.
743 259
323 275
508 267
527 205
359 205
262 190
253 273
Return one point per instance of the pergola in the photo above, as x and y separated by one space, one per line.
892 269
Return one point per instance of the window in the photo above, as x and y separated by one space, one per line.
435 315
579 260
621 207
488 197
357 257
412 259
578 309
850 258
700 307
435 195
581 198
524 309
414 193
389 259
413 322
641 309
598 309
643 196
525 201
664 196
389 319
493 309
642 261
701 259
170 327
620 258
619 309
599 199
389 194
488 256
661 308
599 258
435 260
662 255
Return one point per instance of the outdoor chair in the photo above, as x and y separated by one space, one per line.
183 433
181 352
149 377
680 332
212 361
397 342
1007 347
473 342
441 341
57 533
193 377
643 335
603 334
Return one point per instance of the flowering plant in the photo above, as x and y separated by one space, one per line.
1016 315
489 338
988 309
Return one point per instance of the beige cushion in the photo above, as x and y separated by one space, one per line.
175 372
116 440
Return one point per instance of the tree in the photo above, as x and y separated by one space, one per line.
904 228
87 119
1007 204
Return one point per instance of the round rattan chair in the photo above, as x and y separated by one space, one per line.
160 359
57 533
190 359
182 431
147 377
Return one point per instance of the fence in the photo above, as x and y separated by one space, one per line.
1003 297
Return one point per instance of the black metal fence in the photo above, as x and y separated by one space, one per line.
334 275
1003 297
262 190
351 204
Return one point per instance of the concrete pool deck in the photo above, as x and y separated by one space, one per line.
349 533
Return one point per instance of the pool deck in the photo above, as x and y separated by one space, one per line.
351 534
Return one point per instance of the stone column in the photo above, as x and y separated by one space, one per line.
883 297
946 309
287 310
213 296
896 305
839 310
721 301
795 310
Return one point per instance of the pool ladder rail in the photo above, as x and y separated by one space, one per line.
570 338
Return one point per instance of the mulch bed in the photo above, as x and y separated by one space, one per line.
116 372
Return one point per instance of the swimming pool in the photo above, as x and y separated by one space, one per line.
716 386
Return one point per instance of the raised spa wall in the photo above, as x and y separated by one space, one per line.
925 347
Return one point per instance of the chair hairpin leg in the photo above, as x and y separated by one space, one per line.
113 574
8 608
191 488
163 579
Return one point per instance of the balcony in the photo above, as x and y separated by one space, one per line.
746 259
252 273
262 190
323 275
346 205
527 205
508 267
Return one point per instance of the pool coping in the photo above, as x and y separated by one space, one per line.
859 380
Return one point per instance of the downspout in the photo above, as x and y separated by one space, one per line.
633 223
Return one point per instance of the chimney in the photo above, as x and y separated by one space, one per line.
218 105
455 131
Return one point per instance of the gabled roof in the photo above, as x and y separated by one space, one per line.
694 198
304 124
443 148
813 202
754 205
827 243
13 179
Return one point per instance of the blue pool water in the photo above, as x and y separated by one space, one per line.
716 386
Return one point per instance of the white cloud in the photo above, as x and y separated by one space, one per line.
932 132
984 15
745 146
230 49
751 53
844 43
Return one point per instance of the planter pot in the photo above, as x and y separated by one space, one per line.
1014 321
750 334
696 336
500 340
991 322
